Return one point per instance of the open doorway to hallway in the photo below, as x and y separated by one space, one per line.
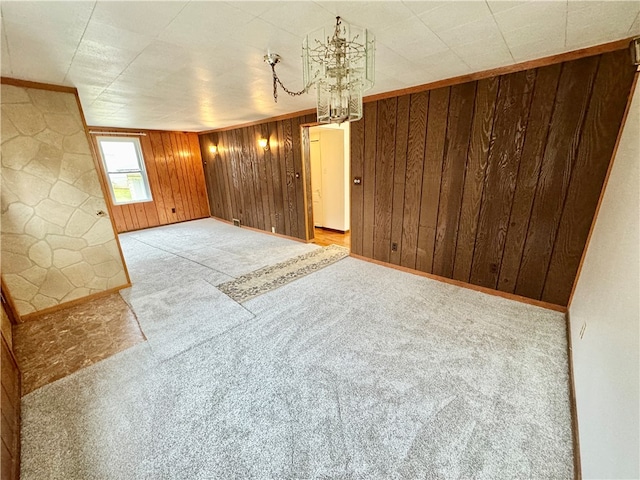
330 168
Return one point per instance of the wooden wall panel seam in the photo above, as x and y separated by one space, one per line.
573 164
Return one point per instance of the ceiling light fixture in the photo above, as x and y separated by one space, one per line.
340 66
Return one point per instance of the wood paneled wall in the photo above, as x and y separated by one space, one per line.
263 189
176 178
9 406
493 182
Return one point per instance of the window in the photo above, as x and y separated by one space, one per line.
123 162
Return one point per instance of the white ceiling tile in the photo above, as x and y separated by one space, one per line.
413 40
202 24
497 6
635 28
299 18
482 32
532 14
531 51
5 58
601 21
141 17
551 31
115 36
455 14
199 65
418 7
374 16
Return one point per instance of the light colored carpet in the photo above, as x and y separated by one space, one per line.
353 371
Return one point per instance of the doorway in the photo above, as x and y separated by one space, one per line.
329 150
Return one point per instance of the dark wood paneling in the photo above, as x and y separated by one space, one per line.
10 410
597 141
413 184
530 161
461 104
173 161
475 176
507 140
510 169
369 178
261 188
492 182
572 99
385 158
431 179
399 176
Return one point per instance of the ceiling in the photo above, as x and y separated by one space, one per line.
196 66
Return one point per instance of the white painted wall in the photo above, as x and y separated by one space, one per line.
606 360
334 151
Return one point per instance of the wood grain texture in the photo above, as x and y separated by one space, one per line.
399 177
260 187
431 178
492 182
507 139
597 141
475 177
369 178
173 161
460 116
530 161
10 412
572 99
385 159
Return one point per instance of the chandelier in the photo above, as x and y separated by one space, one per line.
340 66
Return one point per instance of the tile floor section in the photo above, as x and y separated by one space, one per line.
54 345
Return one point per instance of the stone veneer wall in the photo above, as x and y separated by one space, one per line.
55 247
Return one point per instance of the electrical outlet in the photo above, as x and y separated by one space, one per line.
236 222
273 229
584 327
394 247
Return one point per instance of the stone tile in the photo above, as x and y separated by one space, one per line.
25 117
39 228
41 254
19 151
63 257
79 224
68 194
13 94
76 143
62 123
16 217
54 212
8 130
52 346
30 189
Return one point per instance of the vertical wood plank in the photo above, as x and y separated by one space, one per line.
276 179
163 175
530 161
369 177
432 175
572 99
413 188
284 177
453 168
157 192
599 134
399 180
290 177
385 158
268 175
483 116
357 171
173 176
512 114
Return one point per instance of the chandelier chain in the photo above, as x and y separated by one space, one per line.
276 82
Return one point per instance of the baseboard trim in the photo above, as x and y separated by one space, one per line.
31 316
575 432
458 283
281 235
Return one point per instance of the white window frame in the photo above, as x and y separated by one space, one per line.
141 163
